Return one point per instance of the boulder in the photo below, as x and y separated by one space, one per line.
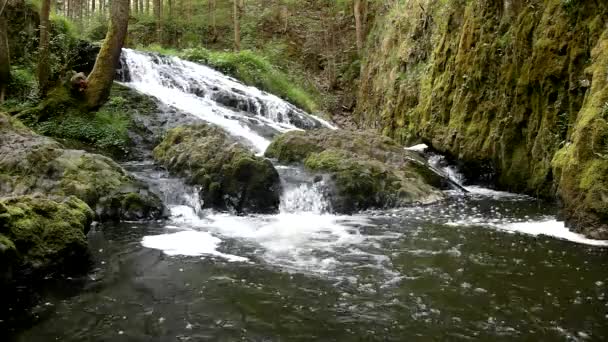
38 234
365 169
230 176
33 164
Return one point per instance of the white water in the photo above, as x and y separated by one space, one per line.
241 110
303 236
548 226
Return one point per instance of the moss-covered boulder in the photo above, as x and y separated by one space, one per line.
366 169
33 164
38 234
230 176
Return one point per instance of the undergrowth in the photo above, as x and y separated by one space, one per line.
106 129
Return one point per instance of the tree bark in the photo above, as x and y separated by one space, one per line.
101 78
158 16
238 8
359 23
43 54
5 60
212 20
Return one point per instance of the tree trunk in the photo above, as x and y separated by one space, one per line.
101 78
212 20
158 16
5 60
92 7
43 55
238 8
359 24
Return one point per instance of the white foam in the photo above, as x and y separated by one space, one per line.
548 227
189 243
477 190
172 80
551 228
418 148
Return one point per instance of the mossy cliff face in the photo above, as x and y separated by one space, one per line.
39 235
231 178
513 89
368 170
33 164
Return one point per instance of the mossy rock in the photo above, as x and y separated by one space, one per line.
231 177
514 92
366 169
30 163
38 234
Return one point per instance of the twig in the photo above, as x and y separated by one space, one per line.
3 6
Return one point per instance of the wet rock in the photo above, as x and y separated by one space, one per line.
33 164
231 177
38 234
366 170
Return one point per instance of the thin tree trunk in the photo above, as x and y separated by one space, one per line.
43 55
359 24
147 3
5 60
238 8
101 78
92 7
158 16
212 20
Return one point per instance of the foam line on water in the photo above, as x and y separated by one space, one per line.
547 227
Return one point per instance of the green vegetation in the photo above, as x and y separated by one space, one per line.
231 177
106 129
367 169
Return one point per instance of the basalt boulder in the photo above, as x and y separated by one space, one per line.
230 176
365 170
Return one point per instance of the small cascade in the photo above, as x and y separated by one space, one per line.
439 162
245 112
307 198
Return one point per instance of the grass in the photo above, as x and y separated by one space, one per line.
250 68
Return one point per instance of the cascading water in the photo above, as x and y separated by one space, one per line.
243 111
455 270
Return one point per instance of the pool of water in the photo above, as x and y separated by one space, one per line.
485 266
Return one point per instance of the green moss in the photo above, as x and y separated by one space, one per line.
292 147
504 89
231 177
45 232
367 169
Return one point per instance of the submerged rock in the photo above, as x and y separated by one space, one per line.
38 234
231 177
33 164
367 170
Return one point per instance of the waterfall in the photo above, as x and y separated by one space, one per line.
245 112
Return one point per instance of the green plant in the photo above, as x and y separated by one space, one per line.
106 130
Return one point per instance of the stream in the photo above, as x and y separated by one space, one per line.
483 265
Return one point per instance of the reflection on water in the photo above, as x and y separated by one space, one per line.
448 271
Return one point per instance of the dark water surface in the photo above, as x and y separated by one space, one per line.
451 271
